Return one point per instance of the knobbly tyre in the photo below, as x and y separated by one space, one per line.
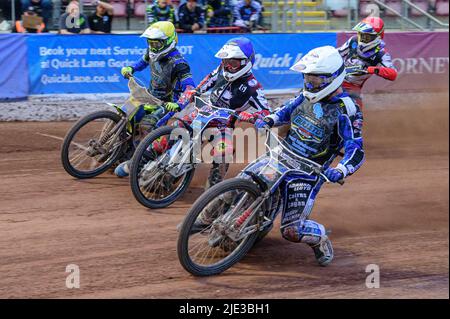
101 139
164 163
243 209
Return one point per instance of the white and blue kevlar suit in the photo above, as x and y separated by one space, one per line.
318 132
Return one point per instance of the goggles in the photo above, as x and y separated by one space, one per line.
156 45
317 82
366 37
233 65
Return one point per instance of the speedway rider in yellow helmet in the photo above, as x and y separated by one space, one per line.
170 72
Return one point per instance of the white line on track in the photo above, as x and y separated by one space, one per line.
62 139
51 136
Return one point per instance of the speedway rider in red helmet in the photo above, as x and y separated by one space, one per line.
365 55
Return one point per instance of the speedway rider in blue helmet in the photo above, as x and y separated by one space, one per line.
233 86
323 120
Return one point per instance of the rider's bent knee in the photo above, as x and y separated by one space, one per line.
291 233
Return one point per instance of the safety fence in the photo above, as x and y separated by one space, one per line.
58 64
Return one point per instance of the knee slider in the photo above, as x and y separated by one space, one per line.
291 233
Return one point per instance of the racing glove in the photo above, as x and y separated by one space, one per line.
373 70
334 174
246 117
266 122
172 107
191 94
127 72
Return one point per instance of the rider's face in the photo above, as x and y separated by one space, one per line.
366 37
155 45
232 65
314 83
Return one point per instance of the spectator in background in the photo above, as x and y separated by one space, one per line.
247 14
176 7
101 20
73 22
160 11
24 27
191 16
42 8
218 13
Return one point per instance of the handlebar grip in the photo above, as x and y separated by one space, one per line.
252 120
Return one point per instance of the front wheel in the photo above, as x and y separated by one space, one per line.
220 228
152 184
93 144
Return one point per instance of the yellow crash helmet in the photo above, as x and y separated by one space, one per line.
161 38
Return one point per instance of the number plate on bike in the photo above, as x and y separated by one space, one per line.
293 163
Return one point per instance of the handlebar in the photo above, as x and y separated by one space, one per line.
318 169
355 70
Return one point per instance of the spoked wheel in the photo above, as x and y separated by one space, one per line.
153 182
92 145
218 230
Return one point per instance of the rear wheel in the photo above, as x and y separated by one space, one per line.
91 147
151 184
213 235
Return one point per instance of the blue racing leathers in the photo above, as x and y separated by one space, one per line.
318 132
170 75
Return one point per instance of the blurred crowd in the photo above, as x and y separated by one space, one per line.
36 16
194 15
94 16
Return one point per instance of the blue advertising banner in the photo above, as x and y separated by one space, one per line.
80 63
92 63
13 66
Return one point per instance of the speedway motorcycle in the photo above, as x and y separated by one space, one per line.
242 209
164 163
101 139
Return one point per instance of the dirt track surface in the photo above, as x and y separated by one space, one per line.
392 213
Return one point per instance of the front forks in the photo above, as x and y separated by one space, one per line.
238 223
107 141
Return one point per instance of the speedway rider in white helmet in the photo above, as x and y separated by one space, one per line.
170 72
233 86
324 119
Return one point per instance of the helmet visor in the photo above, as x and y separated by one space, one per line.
317 82
233 65
156 45
366 37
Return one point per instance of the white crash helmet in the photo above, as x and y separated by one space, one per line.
323 70
238 57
